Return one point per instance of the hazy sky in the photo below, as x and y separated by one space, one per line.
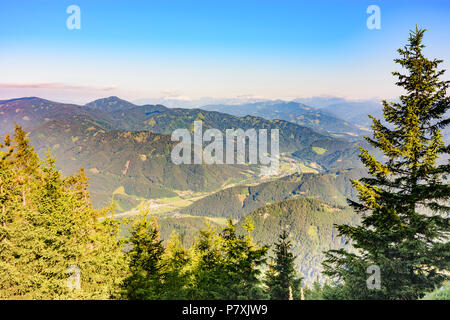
216 48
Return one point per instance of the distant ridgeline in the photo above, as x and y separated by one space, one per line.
124 145
319 119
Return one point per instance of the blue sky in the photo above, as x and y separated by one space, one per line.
215 48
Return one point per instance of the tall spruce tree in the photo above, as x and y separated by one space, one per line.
281 278
144 281
26 161
175 271
243 262
404 202
208 272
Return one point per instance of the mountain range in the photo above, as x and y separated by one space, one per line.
294 112
125 150
124 145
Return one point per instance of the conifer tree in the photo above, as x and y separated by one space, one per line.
26 161
207 274
9 202
47 228
227 265
404 202
6 180
243 262
145 268
281 278
175 272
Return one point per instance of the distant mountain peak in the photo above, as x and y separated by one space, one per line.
107 99
110 104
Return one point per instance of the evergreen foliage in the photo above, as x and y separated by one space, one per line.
281 277
310 224
404 203
145 268
227 265
48 225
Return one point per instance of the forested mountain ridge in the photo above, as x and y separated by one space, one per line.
115 114
32 111
138 161
236 202
163 120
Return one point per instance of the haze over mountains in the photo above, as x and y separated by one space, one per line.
353 111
